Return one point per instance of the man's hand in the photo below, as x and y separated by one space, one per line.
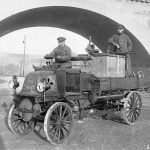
58 57
117 45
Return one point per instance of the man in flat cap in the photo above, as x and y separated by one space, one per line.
62 54
120 43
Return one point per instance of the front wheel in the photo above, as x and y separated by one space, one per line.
15 122
58 123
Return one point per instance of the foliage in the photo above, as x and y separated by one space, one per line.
11 69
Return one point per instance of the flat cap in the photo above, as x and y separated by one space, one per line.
120 26
14 77
61 39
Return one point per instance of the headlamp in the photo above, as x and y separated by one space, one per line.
13 83
41 87
45 84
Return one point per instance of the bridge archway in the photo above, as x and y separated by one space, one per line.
83 22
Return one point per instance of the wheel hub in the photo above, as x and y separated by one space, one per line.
60 122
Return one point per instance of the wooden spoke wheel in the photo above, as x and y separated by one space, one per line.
16 124
132 108
58 123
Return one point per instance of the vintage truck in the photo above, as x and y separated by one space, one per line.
52 96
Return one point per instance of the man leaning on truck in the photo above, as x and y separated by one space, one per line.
120 43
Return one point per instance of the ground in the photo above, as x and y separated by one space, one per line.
93 133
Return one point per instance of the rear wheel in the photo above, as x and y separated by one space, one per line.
58 123
16 124
132 108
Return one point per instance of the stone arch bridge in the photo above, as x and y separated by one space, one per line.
96 18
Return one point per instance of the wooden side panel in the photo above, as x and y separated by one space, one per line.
118 83
144 82
124 83
86 82
130 83
105 84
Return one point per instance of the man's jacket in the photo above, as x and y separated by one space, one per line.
123 41
64 53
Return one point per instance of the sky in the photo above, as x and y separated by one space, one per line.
41 40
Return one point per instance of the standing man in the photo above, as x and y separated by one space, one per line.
62 54
121 44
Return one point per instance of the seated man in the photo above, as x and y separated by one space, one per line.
62 54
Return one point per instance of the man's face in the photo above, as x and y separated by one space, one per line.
61 43
120 31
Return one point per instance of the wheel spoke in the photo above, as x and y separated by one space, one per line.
22 126
62 133
54 117
18 124
16 120
17 115
67 122
67 117
64 112
65 129
130 117
58 139
26 126
137 100
129 114
131 101
56 112
133 117
137 108
129 107
128 111
52 129
55 132
60 112
52 123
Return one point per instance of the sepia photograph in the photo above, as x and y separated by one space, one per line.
75 75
